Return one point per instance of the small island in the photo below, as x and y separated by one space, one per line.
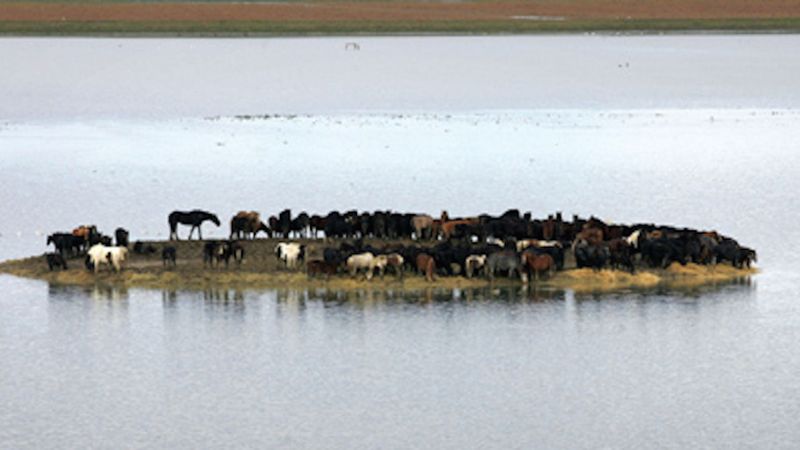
398 251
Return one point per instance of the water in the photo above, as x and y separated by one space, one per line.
133 368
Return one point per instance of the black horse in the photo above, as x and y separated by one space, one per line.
194 218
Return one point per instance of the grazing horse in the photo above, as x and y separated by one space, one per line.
212 253
232 249
101 254
317 266
195 218
246 223
55 260
169 256
359 261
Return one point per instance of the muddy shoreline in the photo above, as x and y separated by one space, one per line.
261 270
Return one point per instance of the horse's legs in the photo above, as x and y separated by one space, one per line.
199 233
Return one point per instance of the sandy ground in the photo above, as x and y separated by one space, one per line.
262 270
402 11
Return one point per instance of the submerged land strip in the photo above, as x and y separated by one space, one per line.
329 17
262 270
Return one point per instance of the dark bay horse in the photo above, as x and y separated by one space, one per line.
195 218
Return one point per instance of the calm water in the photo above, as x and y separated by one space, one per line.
712 367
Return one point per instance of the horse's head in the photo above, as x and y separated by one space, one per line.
49 239
214 218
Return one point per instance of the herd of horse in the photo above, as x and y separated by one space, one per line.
511 244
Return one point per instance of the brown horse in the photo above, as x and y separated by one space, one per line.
426 265
244 224
538 264
592 235
85 231
449 226
315 267
422 225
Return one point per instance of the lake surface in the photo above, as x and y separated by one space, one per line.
700 131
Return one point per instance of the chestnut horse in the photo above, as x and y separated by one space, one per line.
426 266
538 264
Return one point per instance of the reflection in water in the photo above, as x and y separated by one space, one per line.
296 299
676 292
290 357
95 292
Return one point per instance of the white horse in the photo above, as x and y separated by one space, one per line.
359 261
290 253
113 256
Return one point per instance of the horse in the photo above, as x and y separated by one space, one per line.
290 253
662 252
473 264
423 225
212 253
318 266
426 265
746 255
143 249
86 232
506 261
285 223
448 227
169 256
361 261
195 218
246 223
538 263
393 260
620 254
592 235
66 243
299 225
590 255
101 254
232 249
121 235
55 260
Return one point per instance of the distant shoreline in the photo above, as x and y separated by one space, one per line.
383 17
238 30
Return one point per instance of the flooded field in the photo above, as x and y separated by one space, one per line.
502 367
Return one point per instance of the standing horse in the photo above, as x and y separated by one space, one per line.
195 218
101 254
